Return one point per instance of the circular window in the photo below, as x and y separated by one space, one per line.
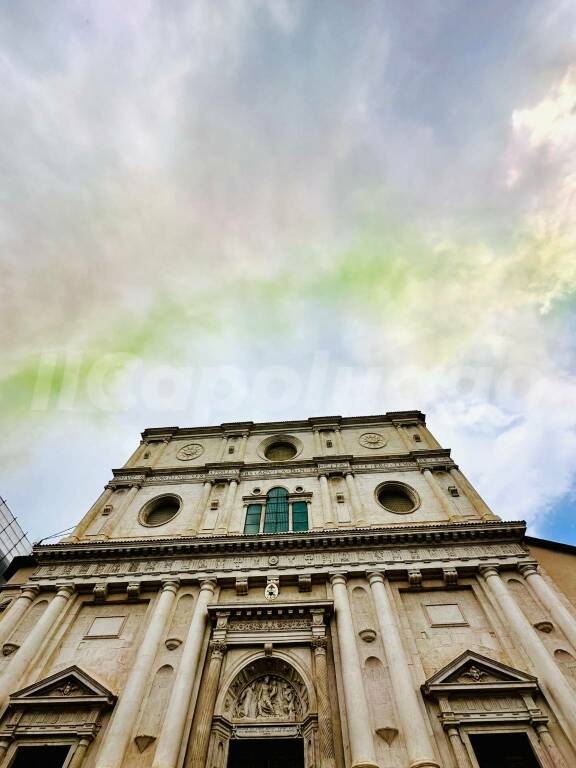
160 510
256 491
280 451
280 448
397 497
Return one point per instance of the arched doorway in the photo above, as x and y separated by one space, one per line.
265 718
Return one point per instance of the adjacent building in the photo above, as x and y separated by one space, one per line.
13 540
323 593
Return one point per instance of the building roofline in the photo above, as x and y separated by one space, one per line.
557 546
18 562
389 416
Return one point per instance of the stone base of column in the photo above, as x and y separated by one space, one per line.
425 764
364 764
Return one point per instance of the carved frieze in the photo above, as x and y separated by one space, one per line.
268 625
383 465
319 559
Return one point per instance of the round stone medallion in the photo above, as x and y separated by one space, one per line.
372 440
189 452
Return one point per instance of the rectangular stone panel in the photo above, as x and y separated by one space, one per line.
445 615
106 626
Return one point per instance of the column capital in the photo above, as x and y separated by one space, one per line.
217 649
171 585
29 591
338 578
65 590
488 570
319 645
541 727
528 569
375 577
208 585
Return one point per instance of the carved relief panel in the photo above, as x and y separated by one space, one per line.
267 689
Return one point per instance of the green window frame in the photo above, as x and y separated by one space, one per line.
299 516
277 518
253 515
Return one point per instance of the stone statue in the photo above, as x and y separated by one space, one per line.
246 701
288 700
264 703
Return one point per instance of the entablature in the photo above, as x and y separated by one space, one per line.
437 458
131 566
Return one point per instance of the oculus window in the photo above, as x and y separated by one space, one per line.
397 498
160 510
280 451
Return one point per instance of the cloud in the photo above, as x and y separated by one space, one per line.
237 189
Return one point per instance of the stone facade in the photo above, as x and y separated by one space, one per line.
335 582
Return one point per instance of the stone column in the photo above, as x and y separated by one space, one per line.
460 752
4 744
317 441
79 753
117 513
42 631
404 437
156 459
91 515
326 500
550 600
358 715
548 743
558 689
242 449
201 507
447 507
124 718
17 610
415 727
430 439
172 732
472 495
223 445
205 709
339 441
325 734
227 507
358 513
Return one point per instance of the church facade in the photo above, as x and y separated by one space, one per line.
323 593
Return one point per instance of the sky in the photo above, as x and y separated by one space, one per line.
245 210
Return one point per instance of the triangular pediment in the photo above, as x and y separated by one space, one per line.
471 671
70 685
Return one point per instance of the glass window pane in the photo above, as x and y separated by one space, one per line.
252 524
300 516
276 519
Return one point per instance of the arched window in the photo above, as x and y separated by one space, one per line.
282 513
276 518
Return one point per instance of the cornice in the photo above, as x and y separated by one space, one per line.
397 536
390 417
